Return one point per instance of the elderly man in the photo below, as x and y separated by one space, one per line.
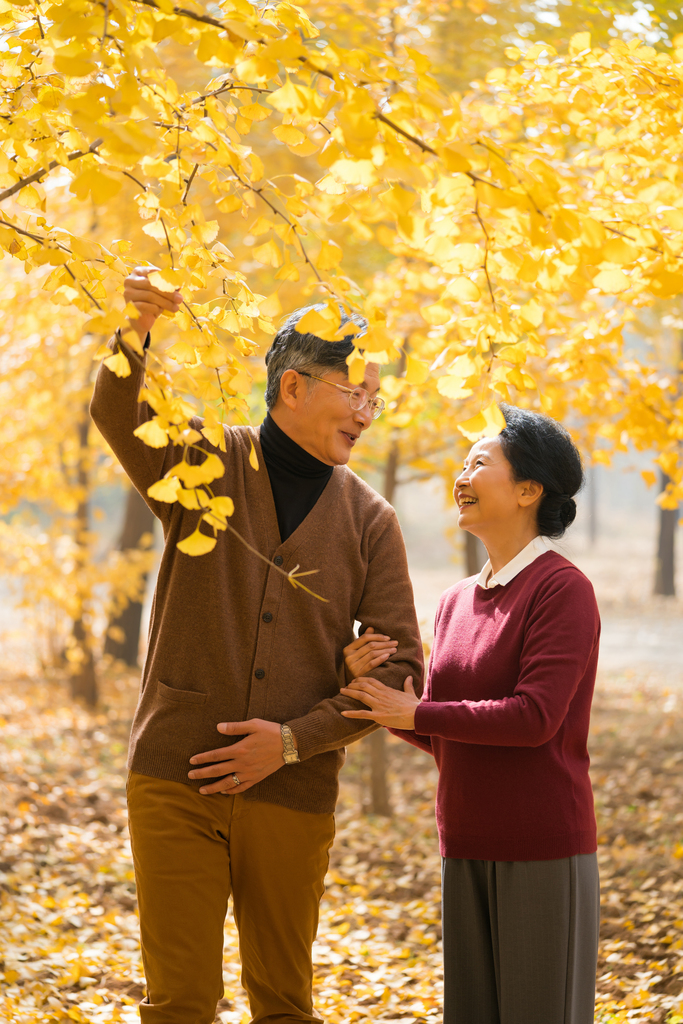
243 674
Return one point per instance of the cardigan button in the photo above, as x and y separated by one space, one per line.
259 673
278 559
267 616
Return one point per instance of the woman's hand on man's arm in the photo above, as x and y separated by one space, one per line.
392 708
366 653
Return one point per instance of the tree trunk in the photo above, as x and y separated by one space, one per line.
665 568
123 631
82 664
476 555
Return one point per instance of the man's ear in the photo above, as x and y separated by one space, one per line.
531 491
291 387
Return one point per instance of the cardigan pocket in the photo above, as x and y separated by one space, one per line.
180 696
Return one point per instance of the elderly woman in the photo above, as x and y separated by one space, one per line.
505 712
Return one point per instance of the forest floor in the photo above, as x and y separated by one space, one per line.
68 927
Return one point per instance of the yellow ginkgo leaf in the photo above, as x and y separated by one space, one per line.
165 490
215 435
165 280
356 365
417 370
488 423
462 289
437 314
118 364
398 200
188 499
532 313
196 544
192 475
223 505
152 433
254 112
253 458
618 250
323 323
354 172
611 282
183 352
451 386
214 356
288 99
288 134
330 255
269 254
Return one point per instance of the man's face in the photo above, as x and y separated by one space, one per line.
326 426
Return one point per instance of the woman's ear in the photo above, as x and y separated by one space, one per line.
530 492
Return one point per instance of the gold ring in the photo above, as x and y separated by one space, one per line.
235 779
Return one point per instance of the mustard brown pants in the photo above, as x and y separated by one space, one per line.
190 853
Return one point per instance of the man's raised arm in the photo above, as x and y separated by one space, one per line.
115 408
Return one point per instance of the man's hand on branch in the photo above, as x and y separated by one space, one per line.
392 708
366 653
251 759
149 301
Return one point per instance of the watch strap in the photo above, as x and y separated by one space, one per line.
289 752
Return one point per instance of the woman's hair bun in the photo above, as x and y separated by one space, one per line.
539 448
568 512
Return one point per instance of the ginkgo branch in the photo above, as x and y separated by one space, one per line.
206 19
136 180
486 254
168 242
406 135
30 178
294 580
279 213
189 183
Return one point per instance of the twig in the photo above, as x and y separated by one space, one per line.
137 182
106 24
23 182
168 242
189 184
288 575
406 135
486 253
279 213
185 13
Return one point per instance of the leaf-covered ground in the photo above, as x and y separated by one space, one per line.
68 928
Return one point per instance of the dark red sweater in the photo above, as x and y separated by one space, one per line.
506 711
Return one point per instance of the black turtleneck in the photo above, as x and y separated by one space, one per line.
297 479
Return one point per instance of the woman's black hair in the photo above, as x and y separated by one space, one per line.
539 448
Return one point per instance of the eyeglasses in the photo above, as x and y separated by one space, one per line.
358 397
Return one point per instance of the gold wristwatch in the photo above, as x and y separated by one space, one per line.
289 751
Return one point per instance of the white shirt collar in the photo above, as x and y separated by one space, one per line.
538 546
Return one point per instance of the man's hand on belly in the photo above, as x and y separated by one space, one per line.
251 759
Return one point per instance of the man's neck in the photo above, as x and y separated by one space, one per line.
287 425
282 451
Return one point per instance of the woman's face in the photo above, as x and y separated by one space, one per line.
485 491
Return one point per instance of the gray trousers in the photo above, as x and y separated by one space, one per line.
520 940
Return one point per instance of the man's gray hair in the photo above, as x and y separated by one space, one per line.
294 351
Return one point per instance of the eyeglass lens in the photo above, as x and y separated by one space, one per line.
359 398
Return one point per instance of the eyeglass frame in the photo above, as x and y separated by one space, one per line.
376 405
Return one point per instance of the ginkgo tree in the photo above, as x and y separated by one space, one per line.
512 230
